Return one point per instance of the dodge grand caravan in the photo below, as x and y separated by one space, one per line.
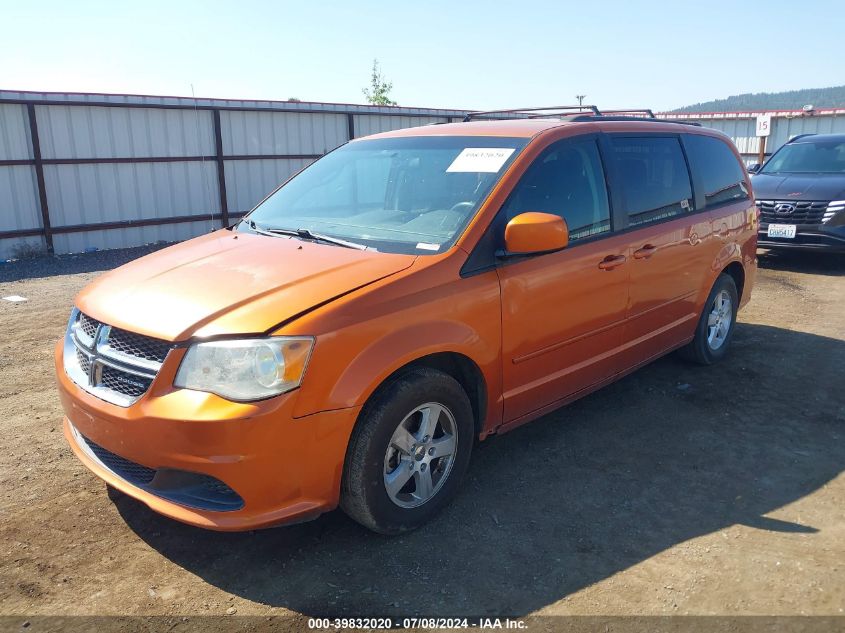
408 294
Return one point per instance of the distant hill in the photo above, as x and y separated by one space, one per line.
790 100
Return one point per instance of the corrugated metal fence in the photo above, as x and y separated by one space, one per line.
81 172
88 171
740 126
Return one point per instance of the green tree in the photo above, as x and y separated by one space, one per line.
379 91
832 97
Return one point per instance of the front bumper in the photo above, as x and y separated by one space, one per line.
821 237
280 469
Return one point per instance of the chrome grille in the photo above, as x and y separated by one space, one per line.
798 212
115 365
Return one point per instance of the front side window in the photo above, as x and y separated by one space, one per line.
718 167
653 176
400 195
566 180
810 157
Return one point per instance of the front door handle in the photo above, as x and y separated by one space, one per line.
612 261
645 252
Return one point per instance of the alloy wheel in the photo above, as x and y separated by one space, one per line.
719 320
420 455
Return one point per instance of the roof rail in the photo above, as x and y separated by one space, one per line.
581 113
646 111
545 111
584 118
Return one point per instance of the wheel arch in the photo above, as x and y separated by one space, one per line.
457 365
737 273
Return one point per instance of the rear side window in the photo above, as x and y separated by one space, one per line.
653 176
717 167
566 180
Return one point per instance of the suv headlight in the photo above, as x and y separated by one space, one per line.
833 208
245 369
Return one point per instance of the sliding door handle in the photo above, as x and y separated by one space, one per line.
645 252
612 261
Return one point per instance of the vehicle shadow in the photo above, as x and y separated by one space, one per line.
670 453
809 262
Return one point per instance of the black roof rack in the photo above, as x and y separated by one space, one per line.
538 112
580 113
584 118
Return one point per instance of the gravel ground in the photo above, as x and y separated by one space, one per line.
679 489
64 266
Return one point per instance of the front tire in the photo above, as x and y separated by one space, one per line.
715 328
408 452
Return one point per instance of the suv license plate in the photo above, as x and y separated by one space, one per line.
782 230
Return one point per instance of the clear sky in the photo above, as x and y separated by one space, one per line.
470 54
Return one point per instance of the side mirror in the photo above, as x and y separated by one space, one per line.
754 168
534 232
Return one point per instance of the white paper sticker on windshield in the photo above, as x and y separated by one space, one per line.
481 159
425 246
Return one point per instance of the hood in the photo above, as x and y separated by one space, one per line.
230 283
799 186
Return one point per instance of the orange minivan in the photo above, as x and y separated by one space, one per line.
407 295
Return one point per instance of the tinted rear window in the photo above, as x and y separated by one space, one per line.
717 166
654 177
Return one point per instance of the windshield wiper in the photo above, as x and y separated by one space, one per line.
306 234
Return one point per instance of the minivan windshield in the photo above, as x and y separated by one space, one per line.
410 195
819 157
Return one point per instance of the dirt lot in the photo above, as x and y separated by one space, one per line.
680 489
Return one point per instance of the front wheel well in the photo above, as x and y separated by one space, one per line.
737 273
464 370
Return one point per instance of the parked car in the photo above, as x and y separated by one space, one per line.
403 297
800 191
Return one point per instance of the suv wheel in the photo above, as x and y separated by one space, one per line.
716 324
408 452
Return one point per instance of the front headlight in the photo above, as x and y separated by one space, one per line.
245 369
833 207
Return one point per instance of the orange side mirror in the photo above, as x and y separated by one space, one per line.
534 232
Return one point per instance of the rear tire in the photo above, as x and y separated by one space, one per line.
715 328
408 452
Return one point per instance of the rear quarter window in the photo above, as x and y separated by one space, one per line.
717 168
653 176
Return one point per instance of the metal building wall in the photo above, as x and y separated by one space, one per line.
19 208
249 181
741 126
370 124
251 135
123 170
